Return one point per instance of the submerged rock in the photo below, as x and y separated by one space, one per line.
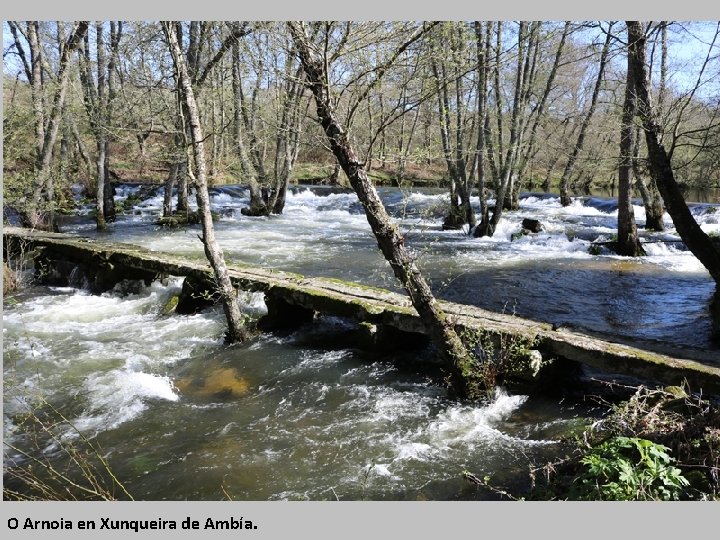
179 219
529 226
223 383
532 225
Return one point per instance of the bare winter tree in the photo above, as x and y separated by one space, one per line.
47 123
628 243
461 364
236 329
503 155
580 143
662 171
449 71
283 68
98 92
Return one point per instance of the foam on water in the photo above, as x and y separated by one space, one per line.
442 432
340 412
119 396
114 346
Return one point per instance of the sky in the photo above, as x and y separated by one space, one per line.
688 48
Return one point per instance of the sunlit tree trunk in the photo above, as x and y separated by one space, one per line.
580 143
236 329
46 123
391 243
660 167
652 200
628 243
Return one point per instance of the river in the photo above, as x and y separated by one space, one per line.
301 415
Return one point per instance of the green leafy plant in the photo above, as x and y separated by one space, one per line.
627 469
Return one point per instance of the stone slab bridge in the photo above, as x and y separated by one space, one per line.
294 299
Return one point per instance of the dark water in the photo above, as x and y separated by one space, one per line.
305 415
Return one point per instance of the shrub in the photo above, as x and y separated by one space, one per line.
629 469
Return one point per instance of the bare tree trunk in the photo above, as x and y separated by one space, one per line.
652 201
454 219
564 181
109 200
461 364
236 329
660 167
628 243
101 104
257 207
47 126
507 154
512 199
483 51
99 93
654 210
287 136
661 170
468 216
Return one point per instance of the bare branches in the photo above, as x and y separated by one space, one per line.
237 31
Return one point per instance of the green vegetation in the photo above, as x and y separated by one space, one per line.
660 444
629 469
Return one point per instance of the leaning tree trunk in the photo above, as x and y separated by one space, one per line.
628 243
565 180
697 241
694 237
462 366
43 162
236 329
258 205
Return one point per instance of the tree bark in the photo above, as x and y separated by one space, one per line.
109 200
462 366
652 201
257 207
628 243
654 210
47 126
565 180
697 241
483 123
236 329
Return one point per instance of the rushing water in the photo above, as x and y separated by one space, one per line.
302 415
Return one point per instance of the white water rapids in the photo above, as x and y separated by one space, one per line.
299 416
